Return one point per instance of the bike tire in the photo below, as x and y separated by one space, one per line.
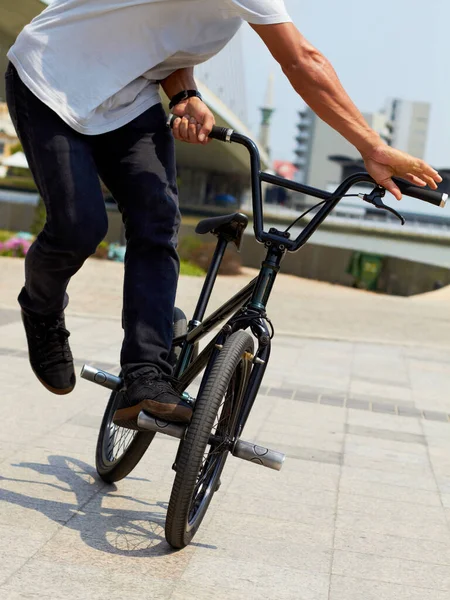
131 444
191 495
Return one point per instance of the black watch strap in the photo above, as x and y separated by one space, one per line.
184 95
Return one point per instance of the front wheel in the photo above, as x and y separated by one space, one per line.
208 440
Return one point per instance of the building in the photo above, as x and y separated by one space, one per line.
315 142
407 125
204 173
401 124
8 137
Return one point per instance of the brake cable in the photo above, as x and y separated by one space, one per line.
317 206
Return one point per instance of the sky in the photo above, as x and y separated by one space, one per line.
380 49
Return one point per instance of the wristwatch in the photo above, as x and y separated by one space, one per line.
184 95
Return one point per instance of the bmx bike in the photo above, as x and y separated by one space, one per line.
234 361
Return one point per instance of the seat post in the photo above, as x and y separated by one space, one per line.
210 279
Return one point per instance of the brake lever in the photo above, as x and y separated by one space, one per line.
375 198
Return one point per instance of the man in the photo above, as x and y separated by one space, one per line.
83 92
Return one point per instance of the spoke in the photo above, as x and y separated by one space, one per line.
119 440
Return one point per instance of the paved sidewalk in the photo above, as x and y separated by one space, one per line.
359 511
297 306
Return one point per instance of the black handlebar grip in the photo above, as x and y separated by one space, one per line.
221 133
217 133
430 196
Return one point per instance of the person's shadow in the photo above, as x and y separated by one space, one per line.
116 531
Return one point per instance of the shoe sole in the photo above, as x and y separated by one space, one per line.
174 413
57 391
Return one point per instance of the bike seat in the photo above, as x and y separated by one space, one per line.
230 227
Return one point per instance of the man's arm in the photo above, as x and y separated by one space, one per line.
196 120
315 80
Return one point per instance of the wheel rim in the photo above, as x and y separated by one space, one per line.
216 454
116 440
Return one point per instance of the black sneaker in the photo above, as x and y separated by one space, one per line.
155 396
49 352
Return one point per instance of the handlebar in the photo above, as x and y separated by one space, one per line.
413 191
224 134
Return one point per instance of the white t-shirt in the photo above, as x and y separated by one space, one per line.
97 63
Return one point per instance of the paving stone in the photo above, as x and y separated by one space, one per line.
367 542
435 416
426 481
386 434
9 564
212 570
384 408
381 400
186 589
136 548
332 400
15 595
274 529
24 542
351 588
402 512
392 570
385 525
292 511
61 581
394 493
409 411
288 584
280 392
358 404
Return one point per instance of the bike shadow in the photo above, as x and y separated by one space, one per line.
121 531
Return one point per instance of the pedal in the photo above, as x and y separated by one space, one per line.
149 423
107 380
259 455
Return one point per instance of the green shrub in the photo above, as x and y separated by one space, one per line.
188 268
6 235
202 257
194 250
188 245
40 216
102 250
16 148
20 183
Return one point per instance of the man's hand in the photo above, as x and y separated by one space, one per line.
384 162
195 122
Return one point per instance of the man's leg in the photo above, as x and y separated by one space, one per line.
62 165
64 170
137 163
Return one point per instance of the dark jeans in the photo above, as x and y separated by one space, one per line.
137 163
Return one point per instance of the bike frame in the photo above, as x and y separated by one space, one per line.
247 308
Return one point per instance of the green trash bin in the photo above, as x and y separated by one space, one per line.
366 270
